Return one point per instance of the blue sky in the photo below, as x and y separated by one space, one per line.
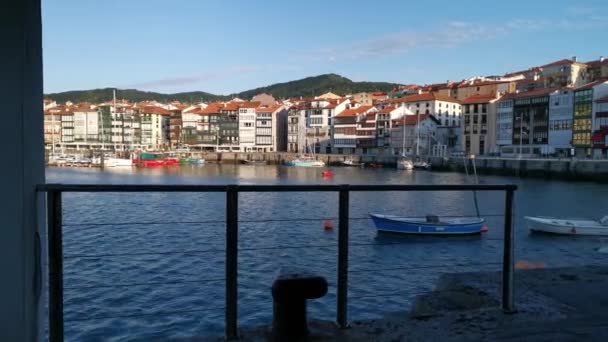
228 46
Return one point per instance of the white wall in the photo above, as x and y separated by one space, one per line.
22 101
560 118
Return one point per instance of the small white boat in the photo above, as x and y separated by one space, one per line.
568 226
350 162
306 161
422 165
405 164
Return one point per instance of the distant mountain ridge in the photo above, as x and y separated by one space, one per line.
306 87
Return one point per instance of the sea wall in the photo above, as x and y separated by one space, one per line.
569 169
277 158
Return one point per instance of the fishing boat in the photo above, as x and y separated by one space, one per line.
350 162
254 162
151 159
306 161
405 164
422 165
430 225
568 226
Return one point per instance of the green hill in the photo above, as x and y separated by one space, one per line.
133 95
306 87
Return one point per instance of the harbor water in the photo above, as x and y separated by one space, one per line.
142 266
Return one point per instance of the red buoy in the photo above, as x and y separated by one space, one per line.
327 174
328 225
484 229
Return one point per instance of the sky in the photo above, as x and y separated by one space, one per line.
227 46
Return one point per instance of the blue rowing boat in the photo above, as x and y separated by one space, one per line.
431 225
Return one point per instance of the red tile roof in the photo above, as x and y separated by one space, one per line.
254 104
424 97
267 109
354 111
478 99
155 110
535 92
231 106
212 108
387 110
559 63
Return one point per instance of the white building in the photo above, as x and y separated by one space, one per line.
247 125
155 127
561 111
410 138
269 128
445 109
504 120
296 129
344 131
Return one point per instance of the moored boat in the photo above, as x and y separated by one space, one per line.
350 162
568 226
422 165
306 161
405 164
430 225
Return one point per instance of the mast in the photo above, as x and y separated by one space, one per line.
417 134
403 143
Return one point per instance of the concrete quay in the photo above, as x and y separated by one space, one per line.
559 304
568 169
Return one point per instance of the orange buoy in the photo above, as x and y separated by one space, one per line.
328 225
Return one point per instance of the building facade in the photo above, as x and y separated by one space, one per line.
479 126
504 121
531 122
444 109
561 106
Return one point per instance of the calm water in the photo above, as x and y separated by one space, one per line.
141 266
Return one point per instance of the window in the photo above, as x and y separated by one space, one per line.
484 108
475 119
476 108
427 104
484 119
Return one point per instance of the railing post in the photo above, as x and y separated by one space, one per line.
342 307
55 246
232 229
508 255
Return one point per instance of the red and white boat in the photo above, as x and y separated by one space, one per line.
155 159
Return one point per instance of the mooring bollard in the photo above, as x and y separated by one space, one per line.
289 293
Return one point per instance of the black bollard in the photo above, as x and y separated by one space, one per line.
290 292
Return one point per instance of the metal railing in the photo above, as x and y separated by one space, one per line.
55 238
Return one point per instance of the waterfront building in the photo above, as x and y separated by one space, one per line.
479 127
52 124
175 128
597 69
420 134
482 87
561 106
296 128
582 127
445 109
563 73
270 128
319 116
209 135
530 123
504 121
344 129
599 138
246 123
229 129
155 126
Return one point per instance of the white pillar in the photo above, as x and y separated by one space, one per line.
22 135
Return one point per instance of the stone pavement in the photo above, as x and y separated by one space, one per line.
561 304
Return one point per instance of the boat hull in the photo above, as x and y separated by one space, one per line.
415 226
566 227
306 163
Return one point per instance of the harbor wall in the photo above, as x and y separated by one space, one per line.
567 169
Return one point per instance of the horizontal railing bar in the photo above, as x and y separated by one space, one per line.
165 313
269 188
423 267
257 221
174 282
